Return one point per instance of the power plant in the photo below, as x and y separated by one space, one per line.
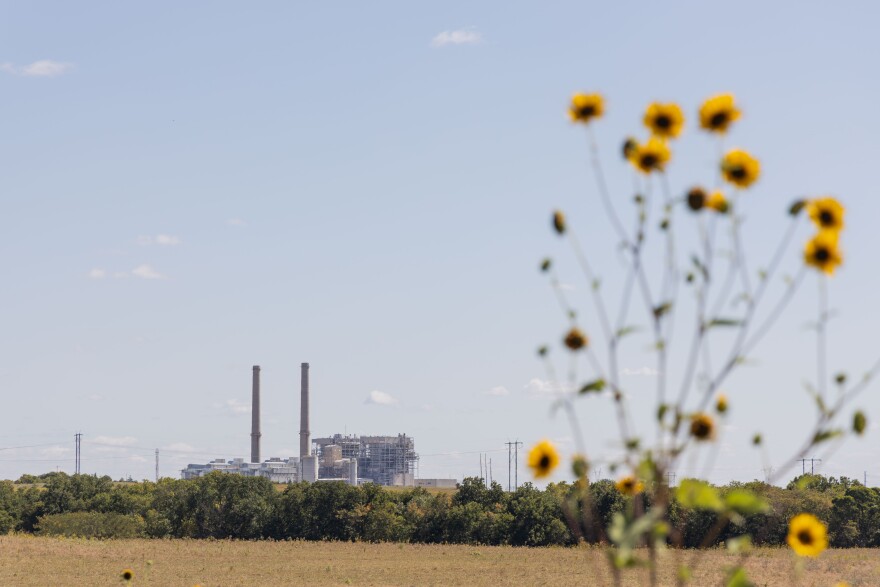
385 460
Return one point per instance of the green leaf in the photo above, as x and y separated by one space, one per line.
737 578
724 322
823 435
627 330
796 207
592 387
740 544
859 422
695 494
745 502
546 264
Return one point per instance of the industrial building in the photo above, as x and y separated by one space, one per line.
386 460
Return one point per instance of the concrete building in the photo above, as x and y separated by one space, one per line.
275 470
386 460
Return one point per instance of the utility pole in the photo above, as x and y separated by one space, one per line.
513 463
490 472
78 439
812 465
157 465
481 468
670 479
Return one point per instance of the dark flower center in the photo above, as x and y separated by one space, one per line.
700 429
718 120
663 121
822 254
649 161
826 218
737 172
805 537
586 111
544 463
696 199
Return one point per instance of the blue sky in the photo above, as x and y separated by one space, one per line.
191 189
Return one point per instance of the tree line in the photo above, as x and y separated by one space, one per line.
222 505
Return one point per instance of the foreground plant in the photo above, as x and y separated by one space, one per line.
726 296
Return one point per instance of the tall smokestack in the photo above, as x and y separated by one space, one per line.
304 448
255 417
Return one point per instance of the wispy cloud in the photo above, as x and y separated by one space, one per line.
120 441
468 36
498 391
640 372
42 68
545 388
234 407
236 222
166 240
147 272
380 398
97 274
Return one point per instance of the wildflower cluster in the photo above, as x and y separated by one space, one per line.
822 251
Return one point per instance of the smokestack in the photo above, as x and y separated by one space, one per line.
255 417
304 448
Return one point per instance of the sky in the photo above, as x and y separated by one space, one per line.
191 189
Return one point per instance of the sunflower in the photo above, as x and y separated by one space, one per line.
127 574
543 458
807 535
702 426
575 339
721 403
651 156
696 199
629 485
586 107
718 112
822 252
740 168
718 202
826 213
664 120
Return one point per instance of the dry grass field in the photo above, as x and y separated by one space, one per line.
28 560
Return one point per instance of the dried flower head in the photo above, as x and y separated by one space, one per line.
696 199
702 426
575 339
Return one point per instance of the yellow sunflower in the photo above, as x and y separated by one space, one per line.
807 535
575 339
721 403
629 485
702 426
651 156
586 107
718 112
543 458
740 168
822 252
826 213
664 120
718 202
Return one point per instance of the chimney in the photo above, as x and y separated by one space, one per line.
255 417
304 448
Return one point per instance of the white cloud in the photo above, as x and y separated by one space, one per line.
147 272
457 37
42 68
236 222
56 451
544 388
114 440
159 239
234 407
97 274
498 391
640 371
180 447
380 398
95 397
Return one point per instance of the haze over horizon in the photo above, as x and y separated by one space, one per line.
189 190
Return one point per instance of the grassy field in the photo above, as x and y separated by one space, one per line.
28 560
